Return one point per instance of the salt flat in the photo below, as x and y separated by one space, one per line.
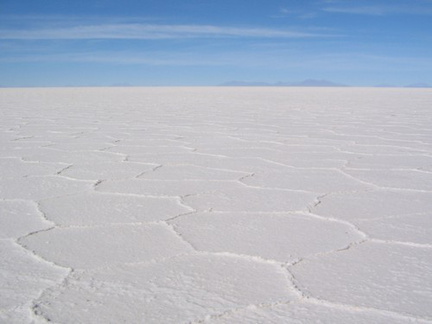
216 205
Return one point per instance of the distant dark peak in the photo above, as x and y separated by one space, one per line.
245 84
121 84
317 83
385 85
304 83
418 85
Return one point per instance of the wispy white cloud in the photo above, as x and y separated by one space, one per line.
149 31
277 57
301 14
360 7
364 10
378 9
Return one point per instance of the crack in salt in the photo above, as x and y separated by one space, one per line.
64 169
34 308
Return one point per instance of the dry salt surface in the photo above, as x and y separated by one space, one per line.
216 205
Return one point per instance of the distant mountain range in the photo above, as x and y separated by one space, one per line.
312 83
418 85
304 83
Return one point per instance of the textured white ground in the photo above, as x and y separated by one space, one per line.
216 205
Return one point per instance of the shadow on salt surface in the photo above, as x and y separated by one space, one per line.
377 275
178 290
94 208
281 237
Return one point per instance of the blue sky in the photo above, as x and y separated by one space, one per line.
208 42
